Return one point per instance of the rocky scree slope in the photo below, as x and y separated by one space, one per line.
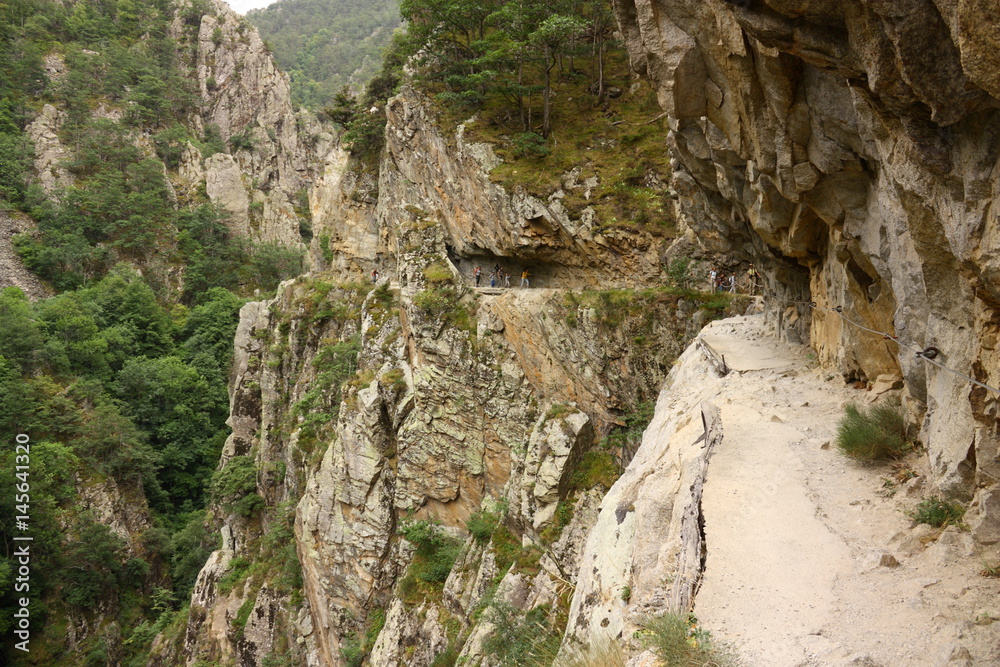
851 149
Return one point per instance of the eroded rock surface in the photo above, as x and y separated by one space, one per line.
855 141
790 525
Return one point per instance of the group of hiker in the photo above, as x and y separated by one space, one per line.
719 282
500 277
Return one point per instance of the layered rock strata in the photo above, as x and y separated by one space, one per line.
446 413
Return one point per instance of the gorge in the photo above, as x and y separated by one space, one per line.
417 471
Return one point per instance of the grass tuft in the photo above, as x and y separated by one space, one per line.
936 512
677 640
438 273
875 434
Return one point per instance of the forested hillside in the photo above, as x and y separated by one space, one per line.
327 44
119 380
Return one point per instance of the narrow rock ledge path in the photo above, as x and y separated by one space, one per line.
803 544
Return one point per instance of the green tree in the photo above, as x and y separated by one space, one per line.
20 337
183 413
190 547
325 45
15 159
92 564
116 446
553 35
210 328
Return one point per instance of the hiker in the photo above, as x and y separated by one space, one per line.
712 277
375 275
493 279
732 283
506 278
752 276
478 273
524 278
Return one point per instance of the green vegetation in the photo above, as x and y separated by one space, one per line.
364 129
563 517
435 555
937 512
677 640
326 44
235 486
624 440
436 550
482 524
395 379
679 273
121 378
318 408
238 569
355 649
438 273
523 639
120 206
558 411
597 468
552 91
446 305
874 434
110 383
511 554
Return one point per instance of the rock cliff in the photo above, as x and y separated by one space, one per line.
423 402
440 172
279 152
849 147
275 169
454 402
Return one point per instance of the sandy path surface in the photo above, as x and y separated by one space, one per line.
800 540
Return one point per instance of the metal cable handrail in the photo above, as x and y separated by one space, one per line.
928 353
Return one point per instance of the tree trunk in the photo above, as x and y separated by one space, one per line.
600 70
550 62
525 118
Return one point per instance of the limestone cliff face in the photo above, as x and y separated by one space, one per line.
367 408
439 172
280 152
279 165
442 415
851 148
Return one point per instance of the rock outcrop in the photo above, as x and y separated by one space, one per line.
276 153
439 172
275 172
445 415
849 148
12 270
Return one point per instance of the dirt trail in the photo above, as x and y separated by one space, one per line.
801 542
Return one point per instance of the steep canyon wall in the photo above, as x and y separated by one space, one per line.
851 149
